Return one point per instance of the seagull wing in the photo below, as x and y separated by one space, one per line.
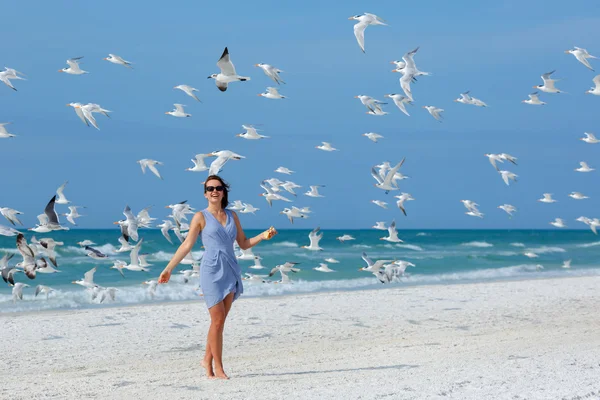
225 64
359 32
50 212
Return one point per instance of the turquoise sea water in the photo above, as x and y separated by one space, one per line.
440 256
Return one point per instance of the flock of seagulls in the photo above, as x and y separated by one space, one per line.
40 256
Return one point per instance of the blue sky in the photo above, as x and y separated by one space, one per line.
498 51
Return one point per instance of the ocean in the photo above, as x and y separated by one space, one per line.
440 257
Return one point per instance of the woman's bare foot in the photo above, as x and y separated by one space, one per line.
208 367
220 375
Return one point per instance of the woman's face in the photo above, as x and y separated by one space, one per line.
214 196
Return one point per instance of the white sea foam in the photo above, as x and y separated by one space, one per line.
177 291
286 244
361 246
546 249
517 244
423 234
477 244
593 244
106 248
410 247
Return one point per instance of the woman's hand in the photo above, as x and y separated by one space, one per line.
269 233
164 276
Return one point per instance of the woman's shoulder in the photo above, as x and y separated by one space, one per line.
199 217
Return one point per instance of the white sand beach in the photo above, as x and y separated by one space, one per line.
536 339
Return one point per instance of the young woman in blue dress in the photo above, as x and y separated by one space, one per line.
220 274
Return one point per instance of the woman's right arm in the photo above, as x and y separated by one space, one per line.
185 247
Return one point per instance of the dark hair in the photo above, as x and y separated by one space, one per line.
224 200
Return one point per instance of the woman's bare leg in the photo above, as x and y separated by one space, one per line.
218 314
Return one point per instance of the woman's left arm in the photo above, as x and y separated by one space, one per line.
246 243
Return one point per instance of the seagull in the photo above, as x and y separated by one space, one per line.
73 214
589 138
345 237
17 291
548 85
257 263
402 197
8 231
464 98
595 90
507 175
61 196
150 164
326 147
323 268
134 261
409 71
380 203
435 112
95 253
254 278
386 183
113 58
271 195
314 238
380 225
284 170
188 90
392 234
87 110
271 72
581 55
372 104
332 260
530 254
245 254
292 213
364 20
125 246
314 191
43 289
222 157
578 196
508 208
558 223
289 186
11 215
79 112
165 227
4 133
400 101
493 159
372 136
227 73
152 284
49 219
534 100
547 198
86 242
88 279
178 111
584 167
249 208
130 225
373 267
288 266
199 163
272 93
73 67
8 74
566 264
251 133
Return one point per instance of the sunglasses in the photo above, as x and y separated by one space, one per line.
219 188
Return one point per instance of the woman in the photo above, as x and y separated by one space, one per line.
220 275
